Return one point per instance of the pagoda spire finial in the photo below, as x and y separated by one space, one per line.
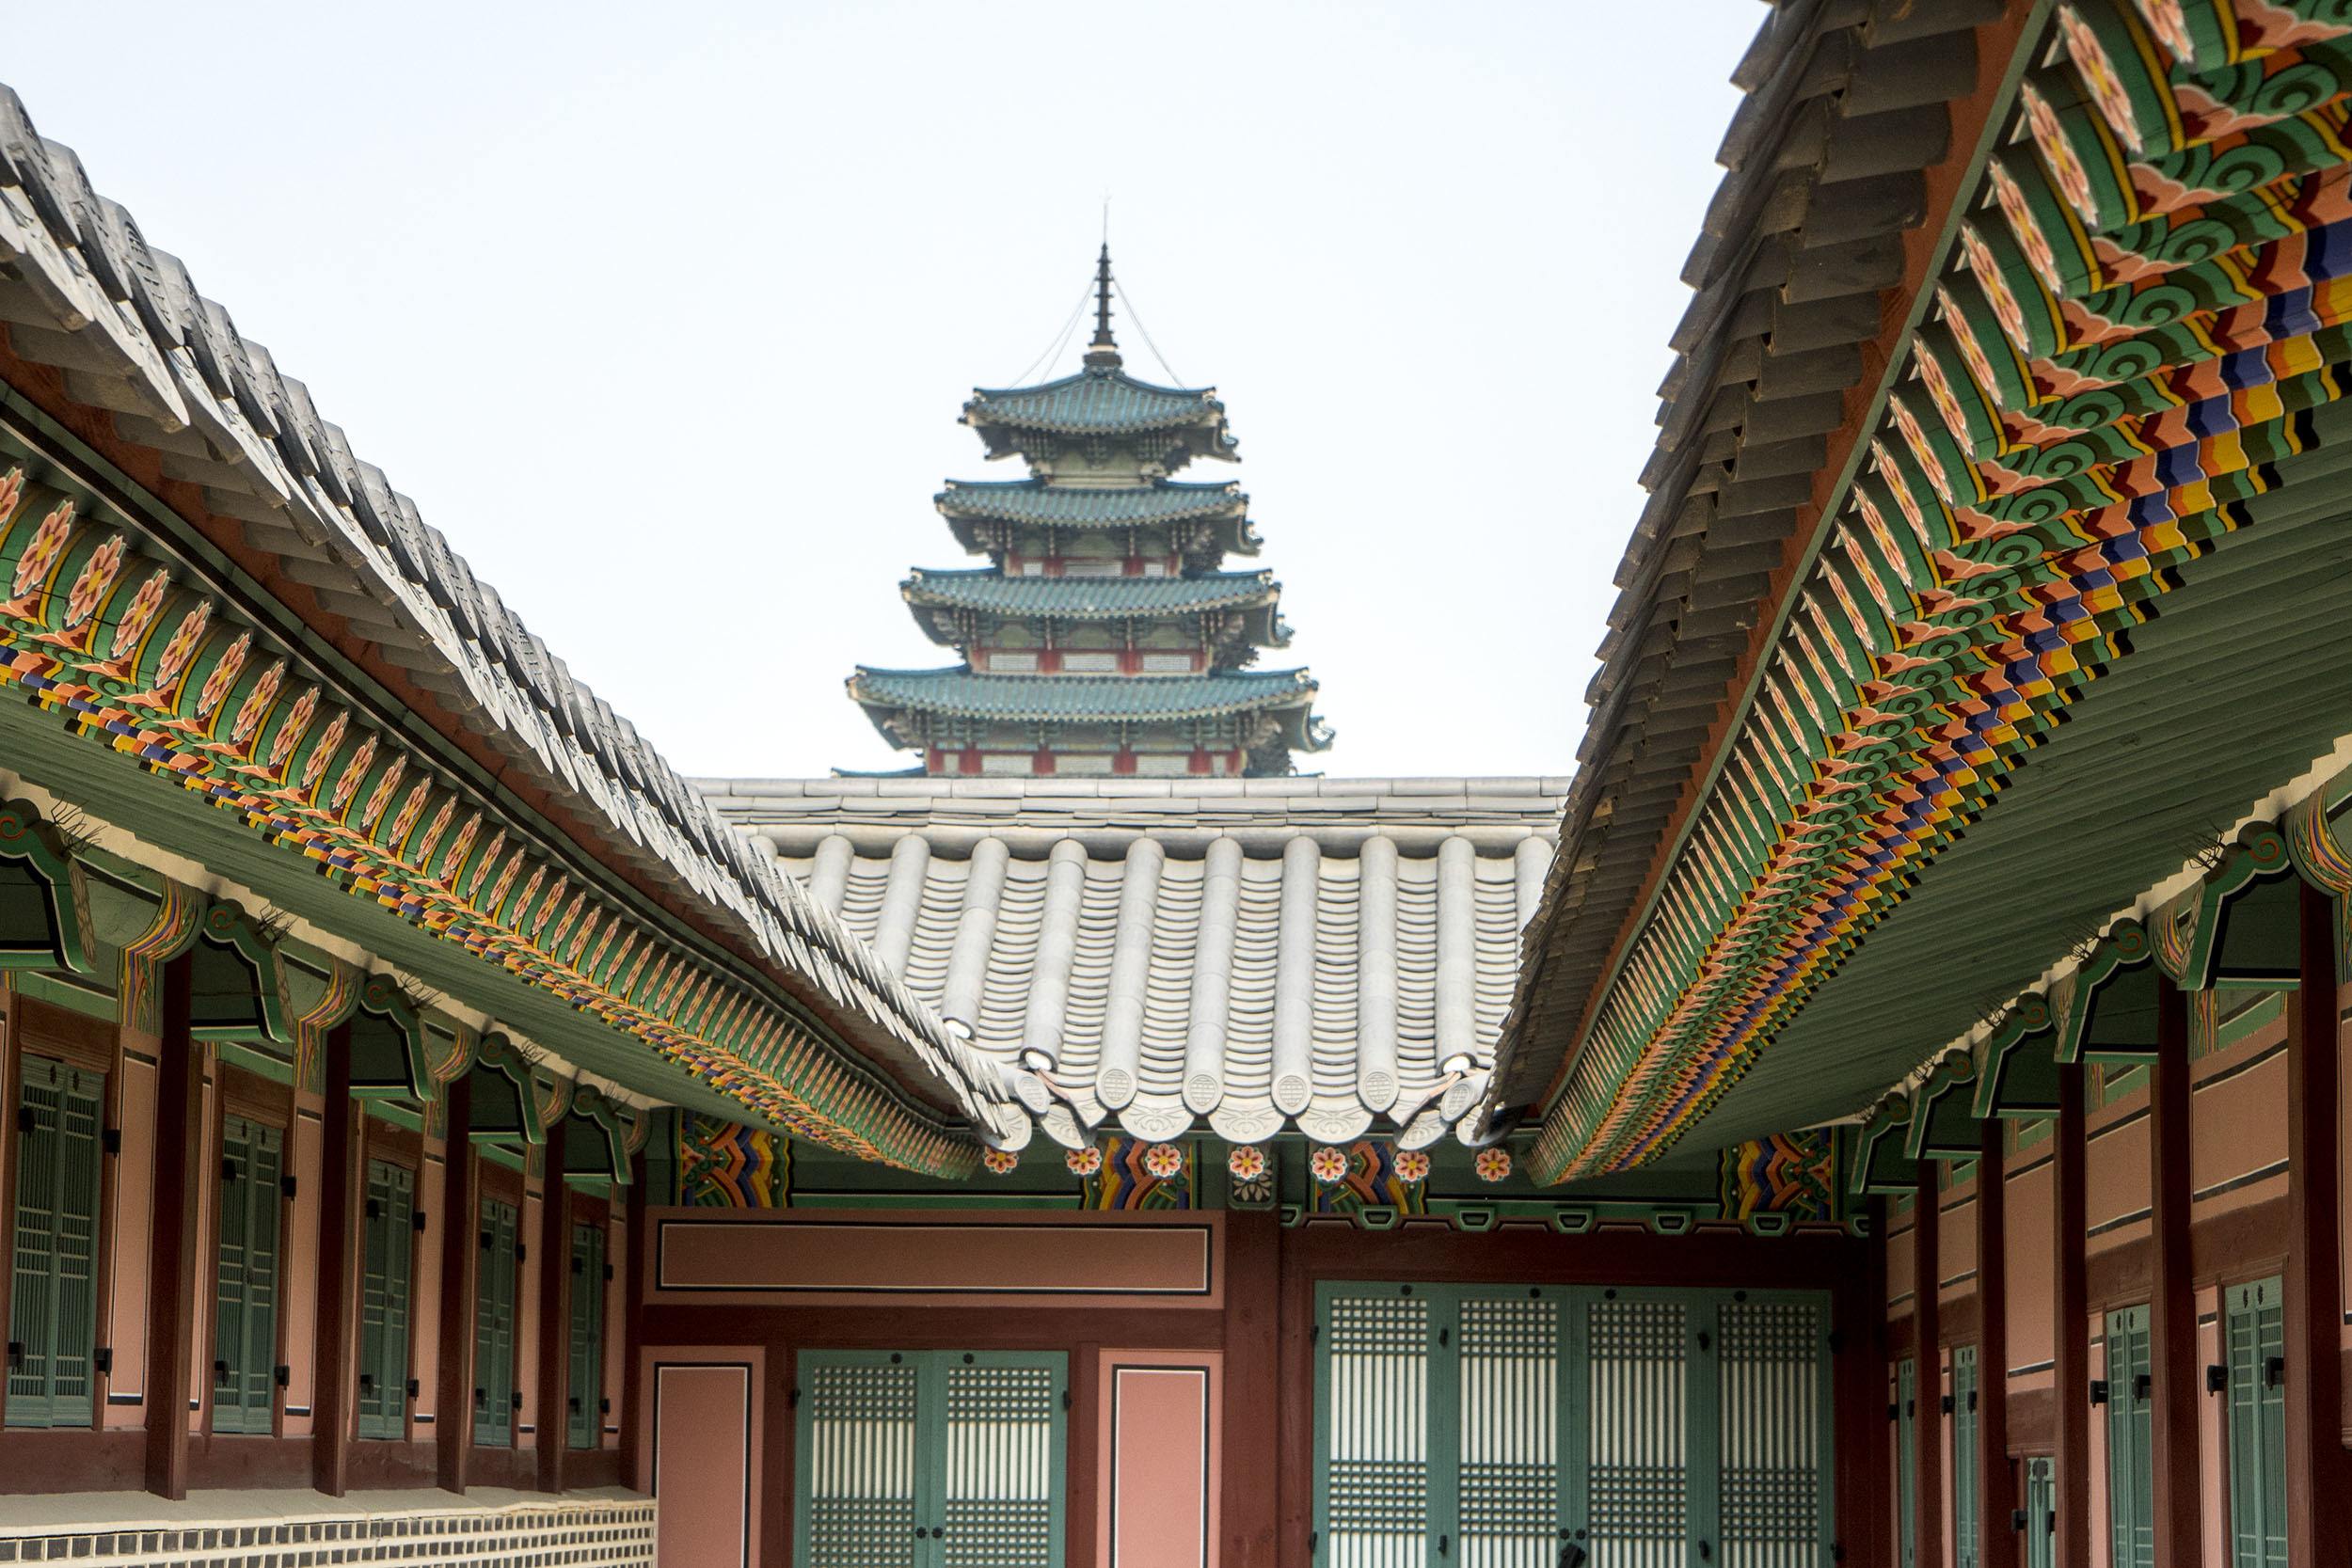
1102 352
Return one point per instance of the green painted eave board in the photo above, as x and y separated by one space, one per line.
2240 681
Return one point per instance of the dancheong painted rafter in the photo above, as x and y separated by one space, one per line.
2140 330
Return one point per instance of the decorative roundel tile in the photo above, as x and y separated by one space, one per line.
1162 1161
1493 1164
1246 1163
1000 1162
1330 1164
1084 1162
1413 1166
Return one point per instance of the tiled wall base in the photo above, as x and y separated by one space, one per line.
303 1529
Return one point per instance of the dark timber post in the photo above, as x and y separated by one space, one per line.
636 1474
2172 1393
2071 1313
331 1425
2314 1291
1997 1479
555 1313
1253 1295
171 1260
1927 1487
453 1428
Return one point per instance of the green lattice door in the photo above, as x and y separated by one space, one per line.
1502 1426
2255 1339
1965 1456
1906 1464
2131 1478
495 1401
388 1252
2041 1513
929 1459
584 1423
245 1320
53 1302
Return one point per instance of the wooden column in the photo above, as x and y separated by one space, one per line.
1249 1507
1996 1477
171 1258
1926 1483
2316 1469
452 1415
555 1313
635 1473
2173 1390
1874 1448
2070 1306
338 1318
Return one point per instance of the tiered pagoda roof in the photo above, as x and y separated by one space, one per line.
1102 637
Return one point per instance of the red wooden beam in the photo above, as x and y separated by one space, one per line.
1927 1484
2070 1305
2173 1373
171 1258
453 1416
2316 1470
1996 1477
339 1190
553 1417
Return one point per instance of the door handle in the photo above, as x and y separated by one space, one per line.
1442 1541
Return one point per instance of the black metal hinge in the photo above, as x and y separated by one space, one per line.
2217 1378
1972 1399
793 1400
2098 1390
2273 1371
103 1358
286 1185
25 1119
608 1273
521 1252
2140 1385
285 1376
111 1140
227 1169
1945 1404
416 1221
375 1209
580 1264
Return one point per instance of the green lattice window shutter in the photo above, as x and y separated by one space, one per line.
1492 1426
388 1257
1906 1464
2040 1514
2131 1485
1965 1456
2254 1333
584 1427
52 1316
940 1459
494 1326
245 1325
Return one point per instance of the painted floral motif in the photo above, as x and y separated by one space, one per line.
290 733
182 648
1084 1162
1412 1165
224 675
1000 1162
47 544
1493 1164
410 811
1328 1164
1245 1163
353 770
315 766
98 575
1164 1162
11 492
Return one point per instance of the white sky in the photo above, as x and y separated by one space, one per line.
664 316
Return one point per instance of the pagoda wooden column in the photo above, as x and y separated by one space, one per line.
2070 1306
339 1188
452 1415
555 1313
1996 1477
171 1248
2177 1492
1926 1483
2316 1469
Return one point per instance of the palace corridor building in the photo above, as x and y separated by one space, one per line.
1881 1103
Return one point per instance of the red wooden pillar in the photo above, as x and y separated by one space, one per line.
1249 1506
553 1417
453 1430
1927 1487
2173 1372
1996 1479
2070 1302
2316 1470
171 1255
339 1191
636 1474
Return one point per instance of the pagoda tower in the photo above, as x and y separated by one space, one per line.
1104 636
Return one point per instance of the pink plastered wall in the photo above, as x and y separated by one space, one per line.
2029 1216
207 1249
1157 1452
1956 1242
702 1427
427 1353
134 1230
2115 1173
530 1420
615 1321
307 1160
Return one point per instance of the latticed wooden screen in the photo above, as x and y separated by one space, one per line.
2255 1338
1964 1459
2041 1513
929 1459
53 1303
1500 1426
2131 1474
583 1427
494 1400
386 1276
244 1321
